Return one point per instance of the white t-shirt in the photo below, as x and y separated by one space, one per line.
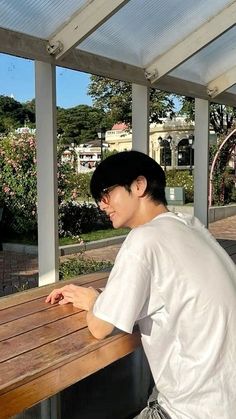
175 279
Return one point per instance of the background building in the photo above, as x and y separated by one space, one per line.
171 142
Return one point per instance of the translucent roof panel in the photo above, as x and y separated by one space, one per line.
210 62
136 34
40 18
143 30
233 91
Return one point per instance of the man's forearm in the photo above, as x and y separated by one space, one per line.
98 327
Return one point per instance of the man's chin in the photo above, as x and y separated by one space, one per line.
116 225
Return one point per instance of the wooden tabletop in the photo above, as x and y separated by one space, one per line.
45 348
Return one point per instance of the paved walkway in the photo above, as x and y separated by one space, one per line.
20 271
224 229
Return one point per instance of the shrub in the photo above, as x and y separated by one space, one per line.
181 178
18 184
233 196
75 219
83 185
79 265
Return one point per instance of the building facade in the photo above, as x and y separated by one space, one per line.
171 142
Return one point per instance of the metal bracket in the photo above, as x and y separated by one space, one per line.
55 48
212 92
150 75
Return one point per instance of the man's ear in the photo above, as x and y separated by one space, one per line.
140 186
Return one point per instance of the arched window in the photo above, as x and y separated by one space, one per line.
185 153
165 151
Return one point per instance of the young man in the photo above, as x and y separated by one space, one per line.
175 280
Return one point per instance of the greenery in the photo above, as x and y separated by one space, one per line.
94 235
223 121
222 117
76 218
83 188
83 238
18 184
223 175
114 98
14 114
74 266
74 125
79 124
181 178
79 265
104 234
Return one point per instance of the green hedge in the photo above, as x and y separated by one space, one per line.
76 219
79 265
181 178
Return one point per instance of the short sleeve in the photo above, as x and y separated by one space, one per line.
126 292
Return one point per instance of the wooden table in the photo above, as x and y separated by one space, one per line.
45 348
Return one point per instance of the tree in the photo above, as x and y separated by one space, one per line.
13 114
222 117
114 97
78 124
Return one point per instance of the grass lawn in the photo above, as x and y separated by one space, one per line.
95 235
88 237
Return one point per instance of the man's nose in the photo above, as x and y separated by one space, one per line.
103 205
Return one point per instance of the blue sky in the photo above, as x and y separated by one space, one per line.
17 80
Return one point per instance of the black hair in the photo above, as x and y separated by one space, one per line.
123 168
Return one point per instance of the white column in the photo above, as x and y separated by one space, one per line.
201 160
48 249
140 118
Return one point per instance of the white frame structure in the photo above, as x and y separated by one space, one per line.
178 68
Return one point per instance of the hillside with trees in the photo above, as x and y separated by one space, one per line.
112 102
14 114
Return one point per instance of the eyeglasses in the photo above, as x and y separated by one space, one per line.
105 194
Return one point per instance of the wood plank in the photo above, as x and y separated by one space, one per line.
24 324
18 345
35 293
22 310
38 305
40 361
35 320
42 387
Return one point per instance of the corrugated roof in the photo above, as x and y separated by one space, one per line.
176 45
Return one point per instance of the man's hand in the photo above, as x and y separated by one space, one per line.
80 297
83 298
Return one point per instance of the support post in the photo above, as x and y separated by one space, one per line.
48 249
201 160
140 118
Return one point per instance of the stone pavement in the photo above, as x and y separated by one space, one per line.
20 271
224 229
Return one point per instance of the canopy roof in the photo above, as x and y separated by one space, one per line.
186 47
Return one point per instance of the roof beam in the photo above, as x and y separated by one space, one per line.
222 83
86 21
101 66
26 46
187 88
194 42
